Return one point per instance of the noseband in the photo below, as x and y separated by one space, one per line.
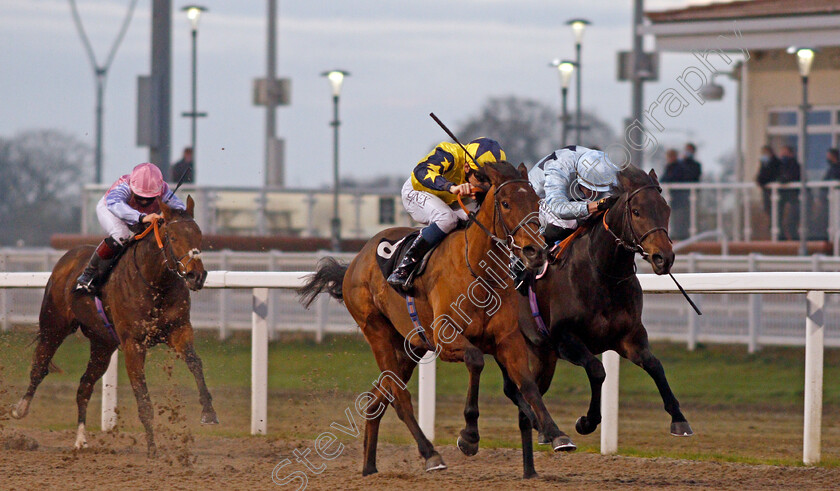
169 256
635 244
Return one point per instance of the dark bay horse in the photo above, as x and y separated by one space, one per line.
591 300
464 304
146 298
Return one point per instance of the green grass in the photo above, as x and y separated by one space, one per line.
744 408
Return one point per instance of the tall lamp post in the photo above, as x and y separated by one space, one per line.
578 26
805 58
193 14
336 77
565 69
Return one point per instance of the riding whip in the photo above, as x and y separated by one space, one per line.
452 135
183 176
682 290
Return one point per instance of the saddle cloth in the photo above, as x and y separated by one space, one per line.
389 255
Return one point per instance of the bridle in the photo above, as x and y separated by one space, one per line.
509 242
180 268
165 246
634 245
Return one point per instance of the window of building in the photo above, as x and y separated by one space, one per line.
823 133
387 211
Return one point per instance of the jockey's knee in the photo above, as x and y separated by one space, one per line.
446 222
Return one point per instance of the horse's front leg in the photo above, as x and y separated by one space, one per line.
512 355
570 348
460 349
635 347
135 360
181 340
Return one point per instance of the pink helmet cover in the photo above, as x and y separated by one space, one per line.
146 180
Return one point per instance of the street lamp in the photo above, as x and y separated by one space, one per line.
578 26
336 78
193 14
805 58
564 69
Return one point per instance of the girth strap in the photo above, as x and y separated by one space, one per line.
415 319
535 312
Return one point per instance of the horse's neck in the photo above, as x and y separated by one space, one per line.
150 261
604 254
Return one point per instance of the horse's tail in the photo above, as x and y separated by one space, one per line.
328 276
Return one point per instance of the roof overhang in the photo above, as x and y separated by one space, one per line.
735 35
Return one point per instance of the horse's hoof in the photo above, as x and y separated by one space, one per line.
681 429
152 453
530 474
435 463
209 419
467 448
542 439
20 410
368 471
584 426
563 444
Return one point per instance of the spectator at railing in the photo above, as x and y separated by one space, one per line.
789 171
768 172
821 210
685 170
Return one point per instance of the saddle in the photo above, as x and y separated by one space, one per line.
389 255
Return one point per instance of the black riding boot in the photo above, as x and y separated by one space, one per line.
412 257
98 266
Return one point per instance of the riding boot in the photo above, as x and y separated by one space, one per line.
98 266
412 258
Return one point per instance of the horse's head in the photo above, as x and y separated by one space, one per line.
515 211
182 244
640 218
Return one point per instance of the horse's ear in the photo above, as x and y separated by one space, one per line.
523 170
165 210
653 176
495 176
190 205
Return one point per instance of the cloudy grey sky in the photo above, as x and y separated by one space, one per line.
406 58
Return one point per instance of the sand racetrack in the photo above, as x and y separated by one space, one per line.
239 463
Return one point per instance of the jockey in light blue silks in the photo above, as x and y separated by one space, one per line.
573 183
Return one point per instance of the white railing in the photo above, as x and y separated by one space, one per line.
814 285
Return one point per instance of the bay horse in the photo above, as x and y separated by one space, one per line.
147 300
591 301
460 329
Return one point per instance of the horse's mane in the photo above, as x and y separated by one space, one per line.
633 177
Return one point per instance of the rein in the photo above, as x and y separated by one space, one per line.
509 243
635 246
180 268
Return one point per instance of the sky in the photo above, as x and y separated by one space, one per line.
406 59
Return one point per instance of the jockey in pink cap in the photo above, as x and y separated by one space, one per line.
129 202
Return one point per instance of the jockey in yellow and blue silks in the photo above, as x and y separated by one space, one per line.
430 193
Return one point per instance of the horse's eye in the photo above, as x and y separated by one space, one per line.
505 205
636 212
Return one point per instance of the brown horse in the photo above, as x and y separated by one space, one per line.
464 303
148 301
591 300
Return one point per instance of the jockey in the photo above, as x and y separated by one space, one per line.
430 193
573 182
130 201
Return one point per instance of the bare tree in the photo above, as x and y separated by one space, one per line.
529 129
43 174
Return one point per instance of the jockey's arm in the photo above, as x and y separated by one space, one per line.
168 197
558 177
430 170
117 203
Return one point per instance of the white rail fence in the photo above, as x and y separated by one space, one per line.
733 318
813 285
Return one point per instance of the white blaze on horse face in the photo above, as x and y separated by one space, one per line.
81 440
